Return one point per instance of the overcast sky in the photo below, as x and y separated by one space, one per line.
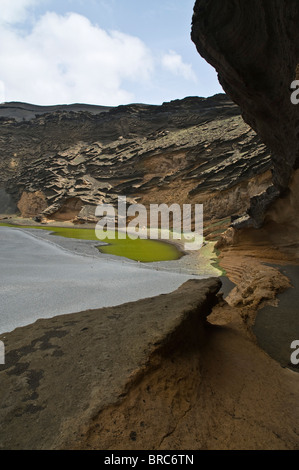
105 52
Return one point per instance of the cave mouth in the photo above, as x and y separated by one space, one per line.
69 210
7 204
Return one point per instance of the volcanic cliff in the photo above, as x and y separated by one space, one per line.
254 46
59 163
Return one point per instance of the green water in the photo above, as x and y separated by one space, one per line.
143 250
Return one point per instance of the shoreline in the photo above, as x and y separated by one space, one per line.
222 356
37 273
258 329
205 259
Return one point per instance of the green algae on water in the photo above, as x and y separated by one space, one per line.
138 249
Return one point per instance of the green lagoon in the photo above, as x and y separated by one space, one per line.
139 249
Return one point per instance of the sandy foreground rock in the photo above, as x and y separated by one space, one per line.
151 374
61 373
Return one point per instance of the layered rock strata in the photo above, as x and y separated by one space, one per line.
60 164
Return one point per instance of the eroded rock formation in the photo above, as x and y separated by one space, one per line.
194 150
145 375
254 46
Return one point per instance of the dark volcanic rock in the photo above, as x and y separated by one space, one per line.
6 203
254 46
25 111
183 151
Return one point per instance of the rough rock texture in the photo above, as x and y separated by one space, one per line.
145 375
224 394
254 46
32 204
186 151
7 204
62 372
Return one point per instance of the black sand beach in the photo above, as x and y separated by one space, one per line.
277 327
